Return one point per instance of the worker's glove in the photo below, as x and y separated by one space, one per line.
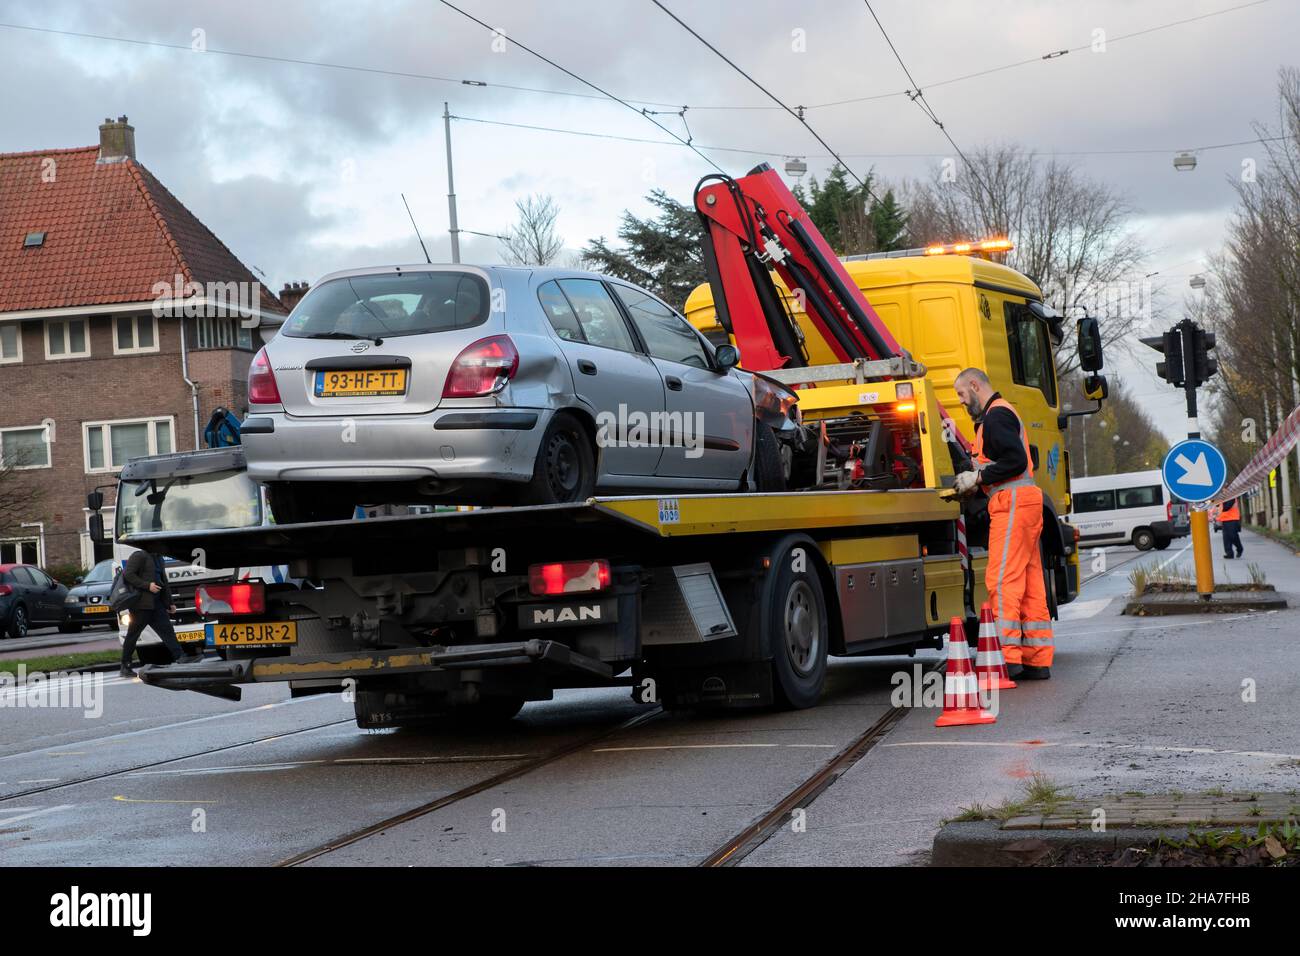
967 482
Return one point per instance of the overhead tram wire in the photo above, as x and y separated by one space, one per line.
483 84
571 74
769 94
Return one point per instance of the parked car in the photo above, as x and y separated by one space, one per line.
1131 508
481 385
87 601
29 598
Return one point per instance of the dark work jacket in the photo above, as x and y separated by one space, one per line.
1002 444
142 569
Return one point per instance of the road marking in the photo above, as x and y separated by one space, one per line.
1079 610
5 821
41 780
607 750
1157 748
1168 561
296 764
121 799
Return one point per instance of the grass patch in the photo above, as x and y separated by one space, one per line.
1291 540
1146 578
59 662
1041 796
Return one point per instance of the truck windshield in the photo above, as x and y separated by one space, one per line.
188 503
377 306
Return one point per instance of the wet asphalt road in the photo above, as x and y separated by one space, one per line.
162 778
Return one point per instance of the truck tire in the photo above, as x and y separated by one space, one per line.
798 635
565 470
1144 539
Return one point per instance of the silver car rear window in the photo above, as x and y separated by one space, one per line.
410 303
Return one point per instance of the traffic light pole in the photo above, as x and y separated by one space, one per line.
1202 552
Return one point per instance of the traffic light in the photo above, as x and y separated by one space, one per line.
1171 346
1204 366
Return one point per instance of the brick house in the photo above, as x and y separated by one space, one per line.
100 359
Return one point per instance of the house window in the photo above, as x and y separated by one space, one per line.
11 343
66 338
24 447
20 551
215 332
135 333
109 445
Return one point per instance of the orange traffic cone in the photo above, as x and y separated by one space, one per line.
990 666
961 698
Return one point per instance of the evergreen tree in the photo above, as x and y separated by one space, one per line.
661 253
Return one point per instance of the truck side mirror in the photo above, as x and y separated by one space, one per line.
1096 388
1088 332
96 525
726 356
95 501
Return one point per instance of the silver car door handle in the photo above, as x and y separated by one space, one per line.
586 367
673 382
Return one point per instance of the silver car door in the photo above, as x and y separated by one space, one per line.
709 412
619 384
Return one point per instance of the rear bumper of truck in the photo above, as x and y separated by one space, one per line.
217 675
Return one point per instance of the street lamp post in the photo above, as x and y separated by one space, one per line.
451 189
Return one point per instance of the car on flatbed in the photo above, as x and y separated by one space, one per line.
484 385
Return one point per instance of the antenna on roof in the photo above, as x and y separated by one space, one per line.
416 228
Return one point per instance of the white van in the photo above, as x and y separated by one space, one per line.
1132 508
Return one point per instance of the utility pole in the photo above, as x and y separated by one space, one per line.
451 188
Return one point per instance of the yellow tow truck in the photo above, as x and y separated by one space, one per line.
706 600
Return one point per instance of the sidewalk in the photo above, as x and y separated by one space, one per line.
1150 705
51 645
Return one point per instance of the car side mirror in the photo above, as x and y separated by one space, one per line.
727 357
1095 388
95 501
1088 332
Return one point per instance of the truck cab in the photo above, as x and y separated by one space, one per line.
952 312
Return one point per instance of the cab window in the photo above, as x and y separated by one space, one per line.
1030 346
667 335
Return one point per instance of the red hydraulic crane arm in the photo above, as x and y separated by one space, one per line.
754 225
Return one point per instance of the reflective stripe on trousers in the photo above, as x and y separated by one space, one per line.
1014 577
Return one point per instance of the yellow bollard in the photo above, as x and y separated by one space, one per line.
1201 551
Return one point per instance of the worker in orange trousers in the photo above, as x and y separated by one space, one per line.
1004 470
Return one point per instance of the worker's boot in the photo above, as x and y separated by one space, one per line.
126 671
1029 672
1014 671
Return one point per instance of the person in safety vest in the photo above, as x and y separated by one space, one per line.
1004 470
1230 520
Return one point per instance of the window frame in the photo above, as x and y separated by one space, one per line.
634 337
18 329
211 328
135 335
1159 490
710 365
1076 495
67 338
49 451
109 466
1016 316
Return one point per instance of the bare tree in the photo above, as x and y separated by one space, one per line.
1071 233
20 496
533 240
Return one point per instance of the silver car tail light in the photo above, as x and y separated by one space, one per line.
482 368
262 389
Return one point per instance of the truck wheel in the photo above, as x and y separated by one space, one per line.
1144 539
769 473
1049 582
565 470
798 636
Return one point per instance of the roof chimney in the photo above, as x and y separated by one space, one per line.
292 293
116 141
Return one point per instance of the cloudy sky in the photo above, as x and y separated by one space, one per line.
299 167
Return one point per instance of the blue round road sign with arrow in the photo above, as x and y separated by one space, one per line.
1194 470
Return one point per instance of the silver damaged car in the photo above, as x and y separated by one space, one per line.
485 385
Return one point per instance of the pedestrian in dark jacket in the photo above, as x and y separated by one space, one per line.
145 572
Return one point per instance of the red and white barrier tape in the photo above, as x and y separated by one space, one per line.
1268 458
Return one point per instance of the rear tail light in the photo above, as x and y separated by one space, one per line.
482 368
262 389
569 577
243 598
5 590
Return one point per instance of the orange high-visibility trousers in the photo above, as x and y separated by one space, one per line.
1015 576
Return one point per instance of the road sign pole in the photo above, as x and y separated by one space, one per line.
1201 552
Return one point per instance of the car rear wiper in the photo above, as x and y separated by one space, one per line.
344 335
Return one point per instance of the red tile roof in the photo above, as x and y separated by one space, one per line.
111 231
